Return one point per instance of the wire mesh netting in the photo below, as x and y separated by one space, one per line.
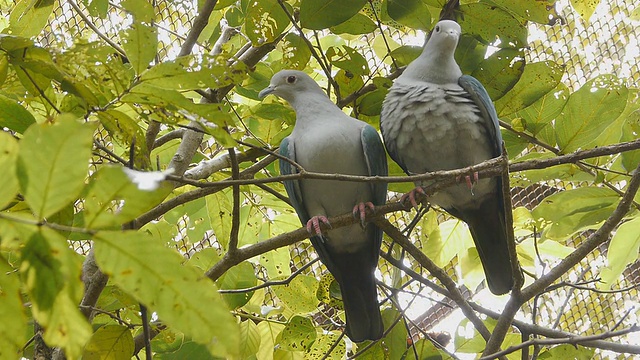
607 44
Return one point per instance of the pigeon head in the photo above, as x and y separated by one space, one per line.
437 64
444 37
288 84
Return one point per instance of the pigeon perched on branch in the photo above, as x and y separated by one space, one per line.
326 140
435 118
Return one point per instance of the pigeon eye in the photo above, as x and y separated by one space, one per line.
437 28
291 79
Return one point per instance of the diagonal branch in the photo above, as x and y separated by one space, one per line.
593 241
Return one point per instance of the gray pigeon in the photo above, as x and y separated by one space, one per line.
326 140
435 118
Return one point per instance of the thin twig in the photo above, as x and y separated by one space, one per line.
573 340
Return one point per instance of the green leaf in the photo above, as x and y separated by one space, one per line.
396 339
241 276
111 199
127 133
298 335
276 262
97 8
536 11
623 250
570 211
181 73
489 22
220 210
321 14
157 277
412 13
295 52
140 42
325 342
265 21
426 351
348 82
348 59
250 339
371 103
538 117
51 273
500 71
357 25
470 53
299 295
568 351
187 350
110 342
13 327
585 8
29 17
268 331
405 54
589 111
13 116
9 185
536 81
449 239
53 164
142 10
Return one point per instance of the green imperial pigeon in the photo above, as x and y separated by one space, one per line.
326 140
435 118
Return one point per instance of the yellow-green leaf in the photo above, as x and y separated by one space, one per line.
299 295
156 276
568 212
585 8
13 116
29 17
8 159
110 342
623 250
13 327
51 272
112 200
321 14
53 164
298 335
589 111
139 42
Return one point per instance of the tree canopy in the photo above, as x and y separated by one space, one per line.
142 209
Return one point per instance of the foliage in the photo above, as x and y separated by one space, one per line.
77 114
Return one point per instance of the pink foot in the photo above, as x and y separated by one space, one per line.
360 211
412 196
470 183
313 225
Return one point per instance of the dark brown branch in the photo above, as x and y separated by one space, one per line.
199 23
439 273
235 219
593 241
573 340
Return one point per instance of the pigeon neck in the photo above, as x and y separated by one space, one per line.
309 105
434 66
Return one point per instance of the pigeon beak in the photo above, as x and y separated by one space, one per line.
266 91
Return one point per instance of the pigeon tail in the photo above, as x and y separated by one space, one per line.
359 295
488 229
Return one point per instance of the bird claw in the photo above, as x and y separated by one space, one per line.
313 225
411 195
360 211
470 183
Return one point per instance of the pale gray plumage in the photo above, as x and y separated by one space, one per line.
435 118
326 140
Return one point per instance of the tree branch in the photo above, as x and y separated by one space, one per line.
594 240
